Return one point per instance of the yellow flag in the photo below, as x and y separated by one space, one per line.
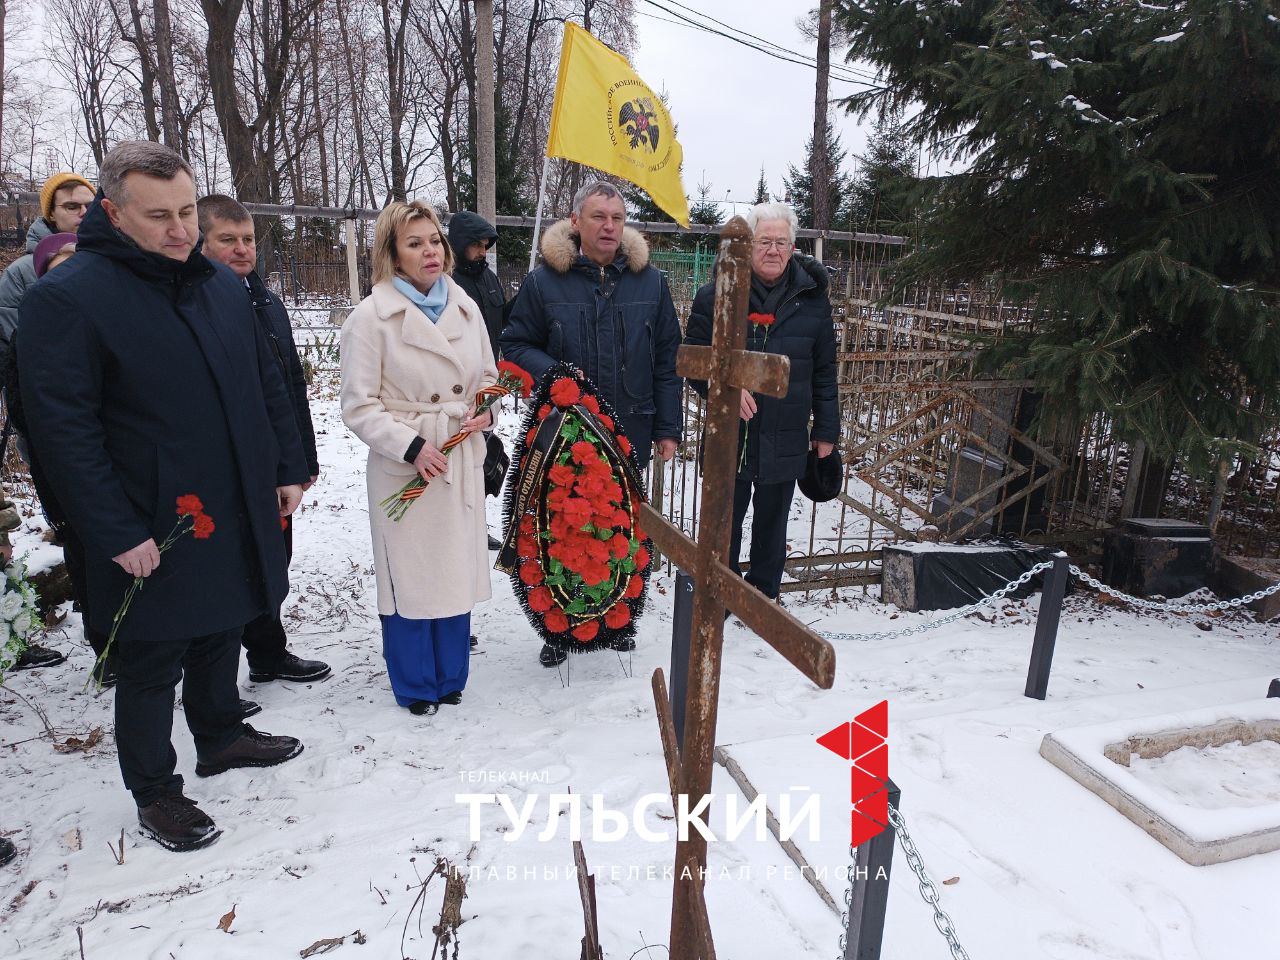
606 117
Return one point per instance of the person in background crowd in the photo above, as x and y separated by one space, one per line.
470 236
149 387
414 354
597 304
64 199
791 289
54 249
229 239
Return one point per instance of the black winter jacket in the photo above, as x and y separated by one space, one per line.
144 379
274 319
476 279
779 434
617 324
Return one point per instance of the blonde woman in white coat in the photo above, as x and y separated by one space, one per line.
414 354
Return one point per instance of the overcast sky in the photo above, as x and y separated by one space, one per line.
737 108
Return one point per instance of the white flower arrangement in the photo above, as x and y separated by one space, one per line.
19 616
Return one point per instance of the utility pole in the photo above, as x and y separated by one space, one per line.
486 152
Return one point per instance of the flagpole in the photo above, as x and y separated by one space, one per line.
537 219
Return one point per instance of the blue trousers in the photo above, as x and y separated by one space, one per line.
426 659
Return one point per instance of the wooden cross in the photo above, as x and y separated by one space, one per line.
728 368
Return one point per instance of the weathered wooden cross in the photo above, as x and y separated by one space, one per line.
728 368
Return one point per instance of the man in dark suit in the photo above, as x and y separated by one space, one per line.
226 230
145 378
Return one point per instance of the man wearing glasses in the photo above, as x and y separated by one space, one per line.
789 314
64 200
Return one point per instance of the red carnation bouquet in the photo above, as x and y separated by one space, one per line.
511 380
759 322
575 551
191 519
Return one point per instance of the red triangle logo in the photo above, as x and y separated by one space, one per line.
862 829
863 785
876 762
876 719
837 741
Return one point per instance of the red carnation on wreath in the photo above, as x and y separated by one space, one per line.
580 564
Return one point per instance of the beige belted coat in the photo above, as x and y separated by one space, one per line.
404 377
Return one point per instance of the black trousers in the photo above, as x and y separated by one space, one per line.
264 638
73 556
772 504
149 671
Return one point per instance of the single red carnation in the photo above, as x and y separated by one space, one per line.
562 475
527 525
565 393
639 534
619 616
516 379
526 546
189 505
555 620
621 519
578 511
528 437
544 411
531 573
586 632
635 587
761 319
202 527
590 403
642 558
607 421
284 523
594 572
540 600
624 444
619 546
584 451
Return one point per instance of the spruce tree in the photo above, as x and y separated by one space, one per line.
799 184
762 189
879 196
1122 171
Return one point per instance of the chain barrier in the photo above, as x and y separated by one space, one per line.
957 614
1216 607
928 890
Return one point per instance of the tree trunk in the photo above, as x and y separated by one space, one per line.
468 56
820 158
247 173
486 165
164 72
393 40
4 4
146 65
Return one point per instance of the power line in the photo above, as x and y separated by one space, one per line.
844 74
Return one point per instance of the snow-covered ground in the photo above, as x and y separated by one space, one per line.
337 840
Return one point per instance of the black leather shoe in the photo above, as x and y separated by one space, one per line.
249 709
421 708
253 749
7 850
292 668
37 656
494 543
176 823
453 699
551 656
624 645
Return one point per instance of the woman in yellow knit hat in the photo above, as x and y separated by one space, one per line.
64 200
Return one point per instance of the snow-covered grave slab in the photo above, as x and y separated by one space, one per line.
1205 783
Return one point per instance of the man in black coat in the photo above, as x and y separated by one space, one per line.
146 379
793 317
226 229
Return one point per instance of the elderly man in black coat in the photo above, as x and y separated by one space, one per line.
145 378
226 230
792 317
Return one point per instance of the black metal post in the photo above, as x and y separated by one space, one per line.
1055 588
681 637
864 934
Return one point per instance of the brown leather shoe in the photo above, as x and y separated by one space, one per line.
252 749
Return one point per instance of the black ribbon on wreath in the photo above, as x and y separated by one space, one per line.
577 556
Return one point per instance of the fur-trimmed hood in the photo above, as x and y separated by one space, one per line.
560 248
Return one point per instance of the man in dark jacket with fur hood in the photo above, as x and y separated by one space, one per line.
147 383
790 302
597 304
